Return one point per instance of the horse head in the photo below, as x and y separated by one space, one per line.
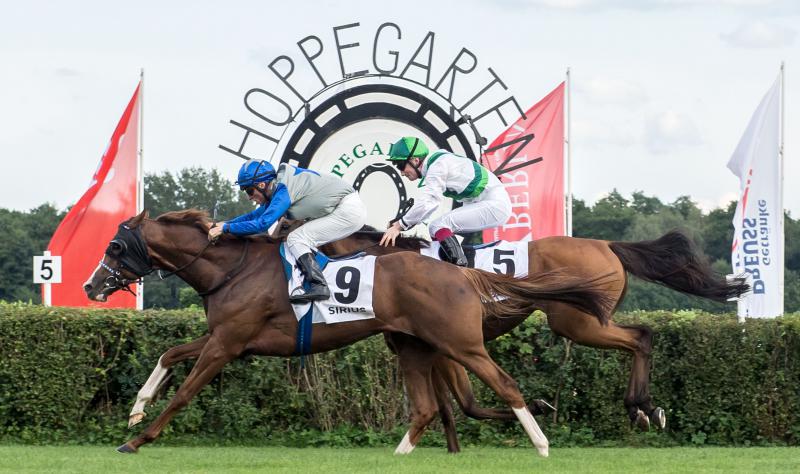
126 261
175 242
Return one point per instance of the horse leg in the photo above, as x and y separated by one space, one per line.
442 394
585 329
415 361
458 382
213 357
397 342
478 361
159 375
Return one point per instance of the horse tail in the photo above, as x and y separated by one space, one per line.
672 261
505 295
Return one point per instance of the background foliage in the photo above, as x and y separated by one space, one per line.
71 375
613 217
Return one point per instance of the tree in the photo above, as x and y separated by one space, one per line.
194 188
609 219
25 234
645 204
718 233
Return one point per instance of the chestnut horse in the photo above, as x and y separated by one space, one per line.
670 260
248 312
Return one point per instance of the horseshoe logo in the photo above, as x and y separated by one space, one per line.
395 177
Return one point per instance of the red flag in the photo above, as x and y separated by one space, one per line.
529 160
83 235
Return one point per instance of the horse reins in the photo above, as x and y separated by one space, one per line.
140 265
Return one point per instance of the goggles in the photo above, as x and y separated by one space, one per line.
400 164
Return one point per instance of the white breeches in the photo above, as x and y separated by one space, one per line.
492 210
348 217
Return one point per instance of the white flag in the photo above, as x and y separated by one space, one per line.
757 248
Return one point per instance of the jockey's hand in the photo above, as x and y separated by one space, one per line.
215 231
390 235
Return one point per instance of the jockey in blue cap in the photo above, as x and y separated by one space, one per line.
332 208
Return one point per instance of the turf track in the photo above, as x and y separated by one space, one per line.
156 459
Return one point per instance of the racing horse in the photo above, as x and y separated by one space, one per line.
245 297
670 260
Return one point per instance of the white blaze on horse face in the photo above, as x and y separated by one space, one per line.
405 446
91 277
534 432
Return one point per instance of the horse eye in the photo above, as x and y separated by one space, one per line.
114 248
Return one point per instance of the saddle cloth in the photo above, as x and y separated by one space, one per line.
350 281
509 258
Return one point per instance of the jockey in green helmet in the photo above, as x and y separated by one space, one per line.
485 202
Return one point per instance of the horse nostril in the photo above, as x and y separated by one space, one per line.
87 287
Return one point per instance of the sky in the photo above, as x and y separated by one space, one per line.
661 90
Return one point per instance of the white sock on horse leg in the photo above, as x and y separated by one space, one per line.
534 432
405 446
148 390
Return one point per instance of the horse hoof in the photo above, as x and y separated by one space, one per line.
135 419
127 449
541 407
642 421
659 418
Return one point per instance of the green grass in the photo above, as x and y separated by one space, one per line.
63 459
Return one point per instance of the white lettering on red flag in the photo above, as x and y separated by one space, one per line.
529 160
83 235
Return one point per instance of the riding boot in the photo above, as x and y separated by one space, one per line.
453 252
317 286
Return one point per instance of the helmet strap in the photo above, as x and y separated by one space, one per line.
411 155
416 168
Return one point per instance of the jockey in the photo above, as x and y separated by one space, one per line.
332 207
485 201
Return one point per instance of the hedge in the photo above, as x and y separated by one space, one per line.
71 375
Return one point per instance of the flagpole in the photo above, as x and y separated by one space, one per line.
568 206
782 227
140 175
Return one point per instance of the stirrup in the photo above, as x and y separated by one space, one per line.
315 293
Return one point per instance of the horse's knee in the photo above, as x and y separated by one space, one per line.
168 359
511 390
422 416
470 407
645 339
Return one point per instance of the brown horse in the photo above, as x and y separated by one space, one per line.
248 311
670 260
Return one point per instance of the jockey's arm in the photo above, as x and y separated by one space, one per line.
263 218
429 200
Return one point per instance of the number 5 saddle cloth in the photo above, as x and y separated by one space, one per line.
509 258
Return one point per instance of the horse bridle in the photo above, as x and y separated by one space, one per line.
130 250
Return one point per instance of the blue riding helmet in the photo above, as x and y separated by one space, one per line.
255 171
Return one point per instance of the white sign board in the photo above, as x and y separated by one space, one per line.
46 269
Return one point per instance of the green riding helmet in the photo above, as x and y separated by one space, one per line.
406 148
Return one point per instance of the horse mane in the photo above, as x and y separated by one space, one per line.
200 219
410 243
196 217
